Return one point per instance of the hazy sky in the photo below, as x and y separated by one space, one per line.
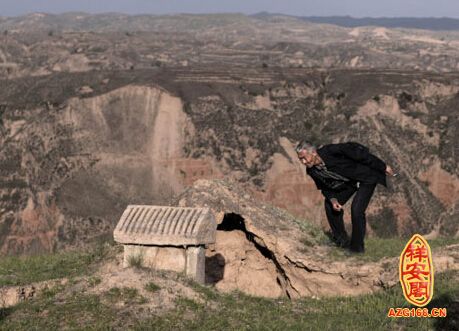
356 8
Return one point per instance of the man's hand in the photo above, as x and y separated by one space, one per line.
389 171
335 204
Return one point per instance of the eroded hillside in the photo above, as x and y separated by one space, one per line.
78 147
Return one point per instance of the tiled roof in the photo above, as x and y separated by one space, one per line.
163 225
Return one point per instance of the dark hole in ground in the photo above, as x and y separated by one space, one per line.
215 264
215 268
232 221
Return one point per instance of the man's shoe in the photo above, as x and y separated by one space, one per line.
331 237
354 250
340 240
344 242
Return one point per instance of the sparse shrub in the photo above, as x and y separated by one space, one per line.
126 294
152 287
189 303
209 292
50 292
129 293
307 242
135 261
93 281
114 294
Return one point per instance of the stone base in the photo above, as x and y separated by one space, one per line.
195 263
190 260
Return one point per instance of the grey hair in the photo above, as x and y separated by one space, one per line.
305 145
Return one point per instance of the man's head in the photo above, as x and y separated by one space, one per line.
307 154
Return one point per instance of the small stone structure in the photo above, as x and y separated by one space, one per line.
168 238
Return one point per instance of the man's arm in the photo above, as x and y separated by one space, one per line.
326 193
334 201
360 154
329 195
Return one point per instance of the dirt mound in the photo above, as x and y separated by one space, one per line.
264 251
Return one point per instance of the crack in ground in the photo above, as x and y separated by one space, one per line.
232 221
302 266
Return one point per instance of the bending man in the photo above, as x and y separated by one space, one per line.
339 171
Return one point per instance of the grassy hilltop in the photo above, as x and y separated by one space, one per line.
73 305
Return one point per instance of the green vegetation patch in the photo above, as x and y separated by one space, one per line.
28 269
126 295
233 311
152 287
78 312
237 311
135 261
378 248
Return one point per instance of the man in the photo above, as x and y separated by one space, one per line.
339 171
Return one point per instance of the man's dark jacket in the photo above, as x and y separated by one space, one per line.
351 160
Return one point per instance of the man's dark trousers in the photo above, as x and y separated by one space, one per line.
358 208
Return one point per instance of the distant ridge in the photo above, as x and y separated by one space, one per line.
80 21
427 23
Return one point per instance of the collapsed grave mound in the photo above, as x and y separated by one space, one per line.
264 251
